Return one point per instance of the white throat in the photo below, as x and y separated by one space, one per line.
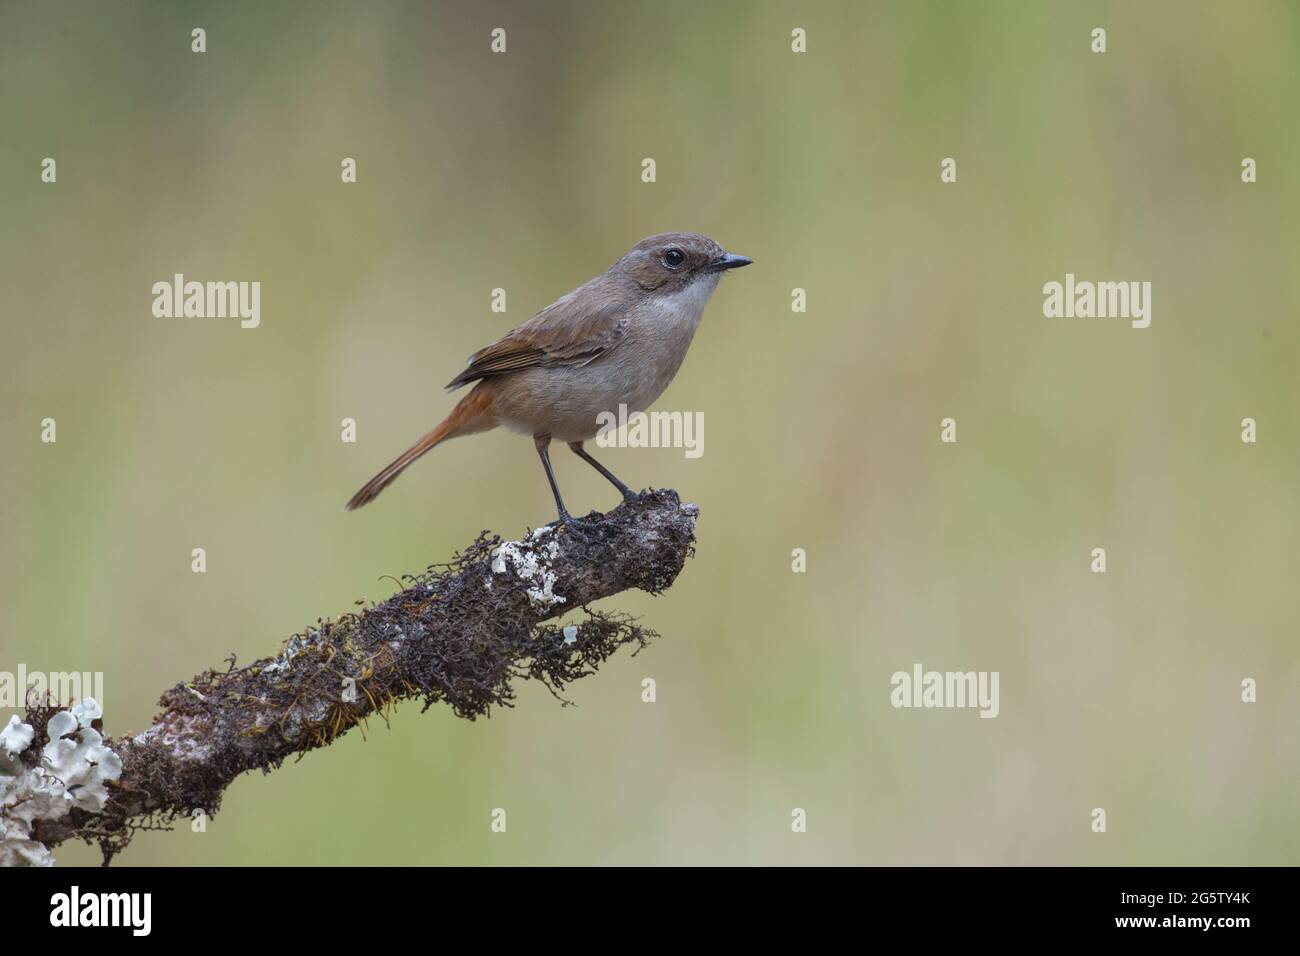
685 306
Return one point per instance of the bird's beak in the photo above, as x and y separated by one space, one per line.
728 260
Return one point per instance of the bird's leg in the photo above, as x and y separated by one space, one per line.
543 442
628 493
583 529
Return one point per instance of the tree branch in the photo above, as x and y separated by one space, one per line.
458 633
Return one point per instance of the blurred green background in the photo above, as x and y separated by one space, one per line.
924 301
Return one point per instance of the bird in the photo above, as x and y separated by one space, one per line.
616 340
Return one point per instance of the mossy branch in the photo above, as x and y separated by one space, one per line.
458 633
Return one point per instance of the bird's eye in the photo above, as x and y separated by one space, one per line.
674 257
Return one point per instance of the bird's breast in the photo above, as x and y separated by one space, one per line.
568 402
660 333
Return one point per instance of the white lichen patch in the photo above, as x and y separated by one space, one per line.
531 563
74 769
184 737
14 739
292 648
87 712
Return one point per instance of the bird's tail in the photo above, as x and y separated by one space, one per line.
473 413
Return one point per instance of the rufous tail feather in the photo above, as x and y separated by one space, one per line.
473 413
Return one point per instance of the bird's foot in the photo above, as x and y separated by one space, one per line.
581 528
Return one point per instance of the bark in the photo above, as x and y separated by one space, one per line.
458 633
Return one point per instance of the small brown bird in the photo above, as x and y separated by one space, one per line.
618 340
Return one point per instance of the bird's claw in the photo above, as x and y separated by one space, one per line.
580 528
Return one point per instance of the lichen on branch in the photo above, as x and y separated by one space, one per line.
459 633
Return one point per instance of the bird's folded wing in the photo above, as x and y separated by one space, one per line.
564 333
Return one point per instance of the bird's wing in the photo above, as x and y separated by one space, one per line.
564 333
